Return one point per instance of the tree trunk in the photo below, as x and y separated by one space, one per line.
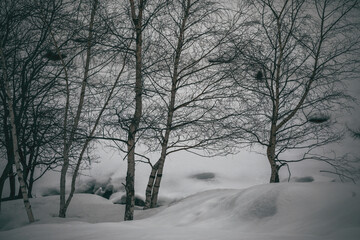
12 183
271 155
155 192
10 155
164 146
274 174
130 181
25 176
64 168
31 181
3 178
149 187
26 170
9 151
131 142
274 167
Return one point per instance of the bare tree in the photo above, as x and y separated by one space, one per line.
290 72
69 139
136 12
24 37
126 118
186 89
14 139
104 63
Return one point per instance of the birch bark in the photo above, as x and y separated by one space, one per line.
137 20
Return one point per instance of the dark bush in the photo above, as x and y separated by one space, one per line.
204 176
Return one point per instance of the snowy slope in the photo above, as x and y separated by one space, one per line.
285 211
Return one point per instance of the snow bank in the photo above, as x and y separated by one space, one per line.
302 208
285 211
84 207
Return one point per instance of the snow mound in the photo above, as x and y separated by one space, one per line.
284 211
321 209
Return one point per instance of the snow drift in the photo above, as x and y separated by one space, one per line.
273 211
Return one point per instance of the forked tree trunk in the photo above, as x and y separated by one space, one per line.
155 192
15 142
161 162
152 190
150 185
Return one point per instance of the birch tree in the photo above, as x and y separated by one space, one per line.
68 139
23 39
136 12
14 139
103 69
290 75
188 89
125 118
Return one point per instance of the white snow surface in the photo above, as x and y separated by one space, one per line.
284 211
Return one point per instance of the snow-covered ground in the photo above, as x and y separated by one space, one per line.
204 199
285 211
